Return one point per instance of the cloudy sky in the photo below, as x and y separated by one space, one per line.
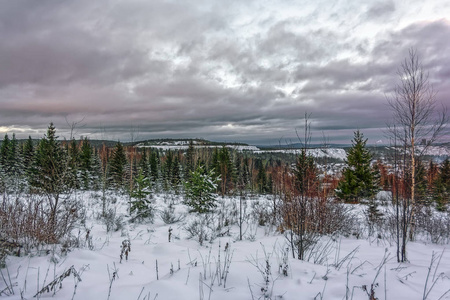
223 70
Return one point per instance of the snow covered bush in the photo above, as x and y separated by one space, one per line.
112 221
168 215
26 221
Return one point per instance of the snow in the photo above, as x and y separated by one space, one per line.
434 150
337 153
185 147
187 270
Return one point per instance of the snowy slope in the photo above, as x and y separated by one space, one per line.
337 153
187 270
185 147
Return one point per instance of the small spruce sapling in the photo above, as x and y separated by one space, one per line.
200 191
140 205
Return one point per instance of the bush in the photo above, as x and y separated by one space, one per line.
168 215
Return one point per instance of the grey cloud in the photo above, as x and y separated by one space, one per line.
380 10
235 70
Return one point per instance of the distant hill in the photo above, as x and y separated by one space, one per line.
181 142
300 146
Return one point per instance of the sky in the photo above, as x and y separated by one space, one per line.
234 71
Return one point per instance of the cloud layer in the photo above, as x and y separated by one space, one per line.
223 70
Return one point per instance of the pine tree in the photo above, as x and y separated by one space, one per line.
223 166
154 163
167 170
200 190
144 164
4 152
305 173
86 164
262 179
50 173
441 193
28 155
74 163
140 205
359 178
49 170
175 178
117 166
190 160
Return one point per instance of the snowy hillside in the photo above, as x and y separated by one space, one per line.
185 147
165 262
337 153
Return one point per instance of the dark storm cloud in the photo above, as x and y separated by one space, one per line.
235 71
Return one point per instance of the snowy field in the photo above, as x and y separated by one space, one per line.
260 266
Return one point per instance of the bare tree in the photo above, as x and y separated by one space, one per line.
415 118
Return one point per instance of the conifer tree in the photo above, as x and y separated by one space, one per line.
140 205
223 166
190 160
200 190
117 166
49 170
359 178
167 170
305 173
175 177
74 163
86 164
50 173
144 164
262 179
4 152
28 155
155 169
441 191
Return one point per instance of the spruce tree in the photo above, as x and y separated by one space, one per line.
117 166
144 164
50 173
74 163
305 173
223 166
50 165
200 190
140 205
86 164
175 178
4 152
28 155
359 178
441 193
262 179
190 160
167 170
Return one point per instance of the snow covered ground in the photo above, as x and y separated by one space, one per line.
258 267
